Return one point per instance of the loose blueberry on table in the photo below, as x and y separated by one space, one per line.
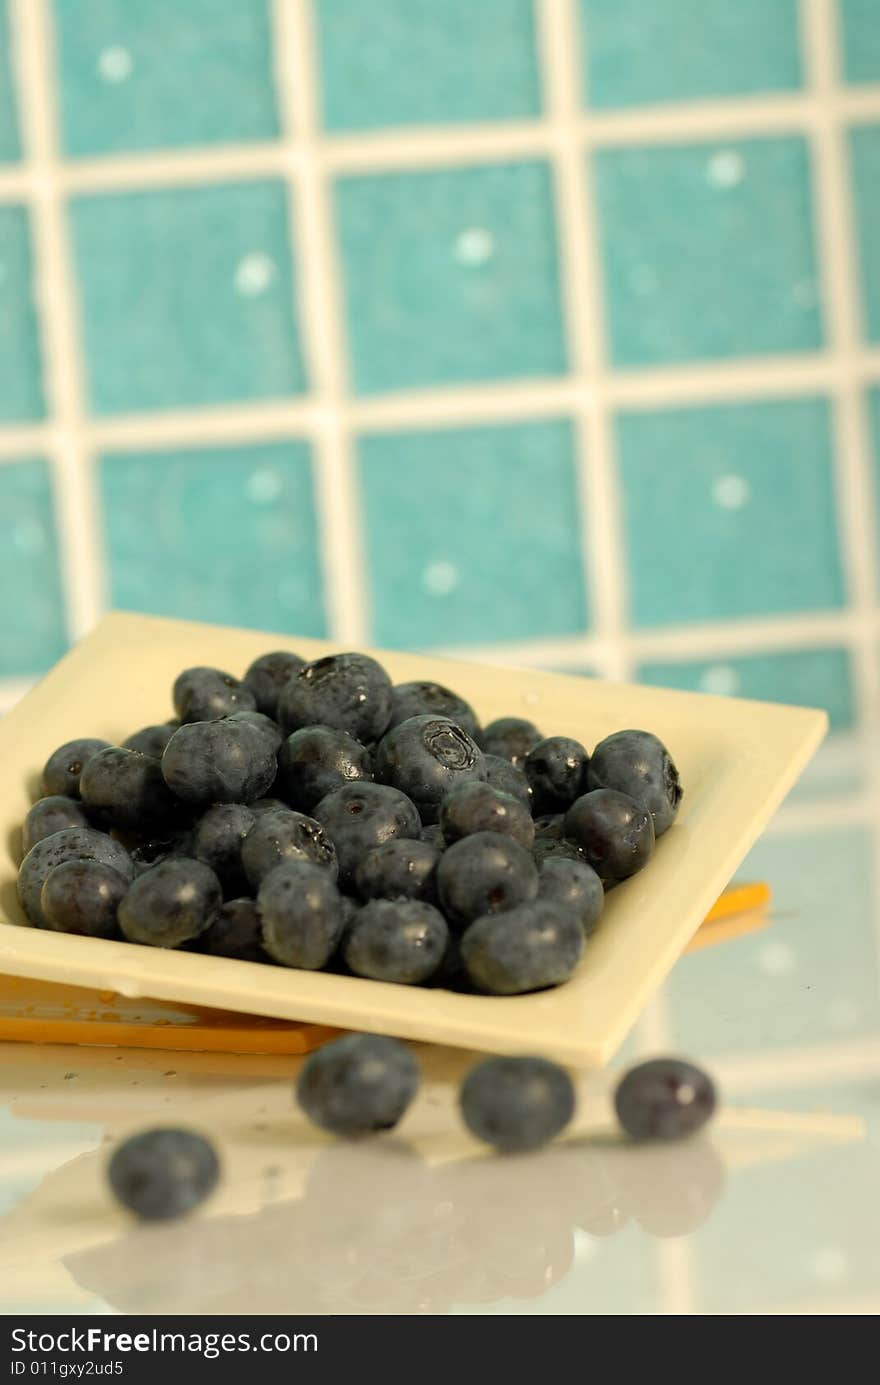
312 814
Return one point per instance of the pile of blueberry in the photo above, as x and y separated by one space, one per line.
363 1084
314 815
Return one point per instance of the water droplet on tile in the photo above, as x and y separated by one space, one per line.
253 274
115 64
731 492
776 959
474 246
440 578
805 293
264 486
720 679
726 169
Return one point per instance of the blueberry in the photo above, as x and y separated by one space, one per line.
162 847
525 949
268 676
476 807
70 844
268 805
617 835
350 692
398 869
516 1104
265 725
218 838
125 789
358 1084
203 694
556 769
638 764
151 740
432 699
483 873
301 914
664 1099
161 1174
62 770
171 903
501 774
550 842
433 835
285 836
83 897
236 932
317 759
575 886
425 757
218 762
402 940
360 816
50 815
511 739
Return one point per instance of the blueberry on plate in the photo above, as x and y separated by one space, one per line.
151 740
219 762
432 699
163 846
575 886
268 676
476 807
350 692
62 770
664 1099
638 764
483 873
301 914
161 1174
501 774
511 739
83 897
171 904
204 694
126 789
316 760
218 838
360 816
433 835
358 1084
236 932
425 757
283 836
616 834
516 1104
70 844
398 869
48 815
265 725
525 949
402 940
556 769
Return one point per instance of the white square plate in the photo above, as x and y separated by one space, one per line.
737 761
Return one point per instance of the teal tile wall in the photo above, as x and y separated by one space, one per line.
639 52
472 534
32 625
220 534
595 440
414 62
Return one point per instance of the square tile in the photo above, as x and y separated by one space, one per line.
10 138
21 384
708 250
32 619
865 169
220 534
811 976
798 677
860 37
163 73
450 275
472 534
186 296
638 52
729 511
414 62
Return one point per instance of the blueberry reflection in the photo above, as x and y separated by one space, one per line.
379 1229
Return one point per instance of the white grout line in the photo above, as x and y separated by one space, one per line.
321 311
70 460
451 144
